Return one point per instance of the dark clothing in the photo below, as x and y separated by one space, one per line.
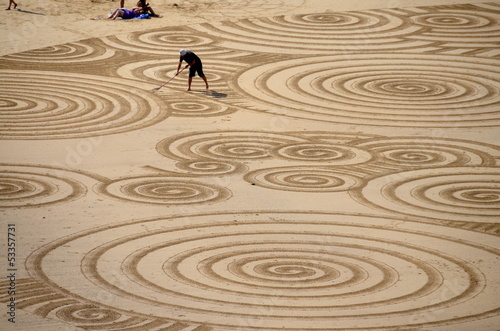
197 67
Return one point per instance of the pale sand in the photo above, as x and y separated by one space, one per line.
342 173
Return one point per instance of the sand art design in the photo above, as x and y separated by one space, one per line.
416 153
320 33
159 42
205 166
42 300
52 105
246 271
164 191
67 53
322 161
403 90
159 72
460 31
194 108
30 186
462 194
225 145
305 179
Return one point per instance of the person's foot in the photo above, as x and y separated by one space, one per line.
188 89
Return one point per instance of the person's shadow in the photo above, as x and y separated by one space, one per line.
215 94
29 12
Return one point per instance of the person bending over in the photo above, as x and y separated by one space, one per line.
194 64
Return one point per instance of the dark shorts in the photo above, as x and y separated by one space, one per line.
197 68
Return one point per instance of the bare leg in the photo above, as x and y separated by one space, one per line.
205 80
122 3
10 4
190 79
115 14
149 10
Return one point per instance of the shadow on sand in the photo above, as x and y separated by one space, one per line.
29 12
215 94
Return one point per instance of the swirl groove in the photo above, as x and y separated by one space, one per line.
164 191
224 268
29 186
429 92
50 105
460 194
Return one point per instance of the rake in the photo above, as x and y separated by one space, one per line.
158 88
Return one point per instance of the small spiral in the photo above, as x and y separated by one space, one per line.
331 153
303 179
210 167
164 191
87 314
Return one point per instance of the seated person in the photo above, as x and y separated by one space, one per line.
146 8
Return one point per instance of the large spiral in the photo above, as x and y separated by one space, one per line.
237 271
50 105
399 90
460 193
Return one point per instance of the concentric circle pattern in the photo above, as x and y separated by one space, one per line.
448 23
192 108
460 31
461 194
406 152
304 179
314 152
67 53
159 42
50 105
224 145
330 32
165 191
218 74
22 186
24 189
342 171
403 90
211 167
229 270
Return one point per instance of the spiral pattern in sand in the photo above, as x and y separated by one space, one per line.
164 191
317 33
50 105
229 270
459 194
304 179
416 91
197 108
68 53
25 186
225 145
414 153
159 42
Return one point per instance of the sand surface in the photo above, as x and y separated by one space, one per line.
341 173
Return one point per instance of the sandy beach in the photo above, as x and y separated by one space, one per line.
342 171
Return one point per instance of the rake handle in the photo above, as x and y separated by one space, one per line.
172 77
